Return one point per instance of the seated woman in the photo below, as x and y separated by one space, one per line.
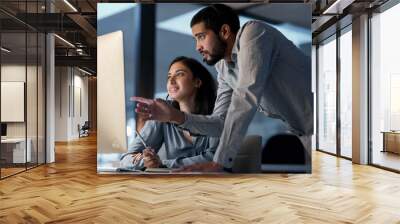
193 90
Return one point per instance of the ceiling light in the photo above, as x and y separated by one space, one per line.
5 50
337 7
84 71
70 5
65 41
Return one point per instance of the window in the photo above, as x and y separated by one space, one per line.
327 95
385 88
22 76
346 93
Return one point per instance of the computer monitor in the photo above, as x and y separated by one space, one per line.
111 122
3 129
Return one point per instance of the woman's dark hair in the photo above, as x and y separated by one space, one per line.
216 15
206 93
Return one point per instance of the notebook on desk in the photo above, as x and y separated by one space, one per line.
116 170
158 170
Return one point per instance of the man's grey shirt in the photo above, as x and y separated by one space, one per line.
267 73
179 151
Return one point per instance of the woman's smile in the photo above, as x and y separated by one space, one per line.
173 89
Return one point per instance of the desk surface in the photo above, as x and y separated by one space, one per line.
13 140
144 173
108 170
156 171
391 132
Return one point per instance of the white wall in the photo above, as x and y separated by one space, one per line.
71 94
62 81
81 83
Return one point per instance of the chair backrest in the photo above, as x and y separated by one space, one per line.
86 125
283 149
248 159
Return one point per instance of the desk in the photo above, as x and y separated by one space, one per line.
112 167
108 164
15 148
391 141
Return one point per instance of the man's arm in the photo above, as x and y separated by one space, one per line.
257 53
211 125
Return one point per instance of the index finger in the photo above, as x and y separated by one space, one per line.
141 100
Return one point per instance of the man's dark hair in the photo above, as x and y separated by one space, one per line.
207 92
216 15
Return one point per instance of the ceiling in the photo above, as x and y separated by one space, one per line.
76 25
76 22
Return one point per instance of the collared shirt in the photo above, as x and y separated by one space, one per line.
179 151
267 73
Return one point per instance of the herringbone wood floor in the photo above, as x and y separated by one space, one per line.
70 191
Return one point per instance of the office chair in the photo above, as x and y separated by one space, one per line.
84 130
284 153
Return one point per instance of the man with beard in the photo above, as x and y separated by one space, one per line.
258 69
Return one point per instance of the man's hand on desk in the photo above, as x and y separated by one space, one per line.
201 167
158 110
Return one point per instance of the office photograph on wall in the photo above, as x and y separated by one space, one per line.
196 88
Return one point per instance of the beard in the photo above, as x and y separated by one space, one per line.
217 53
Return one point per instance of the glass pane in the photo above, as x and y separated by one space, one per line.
31 97
13 87
41 98
327 96
346 94
77 123
385 89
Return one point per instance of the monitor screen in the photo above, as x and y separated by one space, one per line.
3 129
111 131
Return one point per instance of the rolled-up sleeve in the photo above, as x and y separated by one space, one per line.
256 55
211 125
